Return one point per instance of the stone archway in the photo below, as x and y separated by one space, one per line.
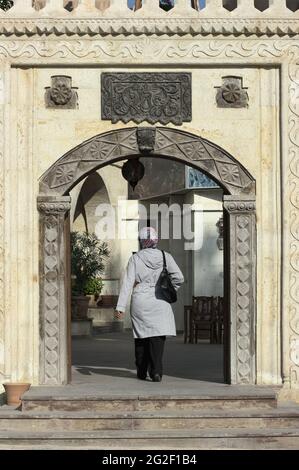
240 264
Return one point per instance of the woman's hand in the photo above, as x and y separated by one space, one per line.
118 315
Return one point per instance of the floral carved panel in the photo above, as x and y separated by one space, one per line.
61 94
152 97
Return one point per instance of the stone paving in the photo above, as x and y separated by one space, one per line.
109 359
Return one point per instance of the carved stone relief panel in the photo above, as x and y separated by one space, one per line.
53 318
61 94
242 281
152 97
232 94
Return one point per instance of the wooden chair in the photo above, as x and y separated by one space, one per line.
201 318
205 317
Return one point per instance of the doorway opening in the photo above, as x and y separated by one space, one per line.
239 240
186 209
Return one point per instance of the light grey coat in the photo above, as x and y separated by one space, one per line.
150 316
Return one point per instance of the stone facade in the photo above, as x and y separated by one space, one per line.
260 47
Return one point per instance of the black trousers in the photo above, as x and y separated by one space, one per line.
149 355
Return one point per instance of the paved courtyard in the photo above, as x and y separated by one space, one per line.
107 361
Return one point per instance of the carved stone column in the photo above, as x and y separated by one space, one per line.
53 297
240 273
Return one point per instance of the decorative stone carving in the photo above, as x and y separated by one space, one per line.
111 146
32 27
61 94
153 97
133 48
53 337
242 279
291 308
232 94
146 137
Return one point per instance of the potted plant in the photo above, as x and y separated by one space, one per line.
93 289
88 254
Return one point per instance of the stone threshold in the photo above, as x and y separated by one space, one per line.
98 393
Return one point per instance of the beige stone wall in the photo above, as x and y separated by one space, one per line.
37 137
208 261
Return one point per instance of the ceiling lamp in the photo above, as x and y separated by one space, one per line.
133 171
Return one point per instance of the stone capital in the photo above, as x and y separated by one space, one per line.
52 205
243 204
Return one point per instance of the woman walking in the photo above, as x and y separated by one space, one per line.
152 318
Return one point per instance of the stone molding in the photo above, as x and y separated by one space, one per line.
53 207
291 325
255 27
149 50
242 206
155 97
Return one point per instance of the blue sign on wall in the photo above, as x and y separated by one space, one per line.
197 179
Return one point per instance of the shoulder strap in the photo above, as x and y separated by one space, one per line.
164 260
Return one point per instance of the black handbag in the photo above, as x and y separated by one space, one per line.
164 288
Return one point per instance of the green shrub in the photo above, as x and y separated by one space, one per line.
88 255
93 286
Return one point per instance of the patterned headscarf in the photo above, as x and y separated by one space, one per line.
148 237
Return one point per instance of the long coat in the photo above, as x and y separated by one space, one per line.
150 316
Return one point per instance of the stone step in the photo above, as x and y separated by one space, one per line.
32 401
158 439
174 419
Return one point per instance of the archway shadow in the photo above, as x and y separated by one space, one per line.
112 355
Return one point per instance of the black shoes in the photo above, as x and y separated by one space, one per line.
156 378
141 376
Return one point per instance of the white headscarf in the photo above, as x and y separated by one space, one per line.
148 237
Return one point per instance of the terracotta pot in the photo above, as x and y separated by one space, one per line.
14 391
